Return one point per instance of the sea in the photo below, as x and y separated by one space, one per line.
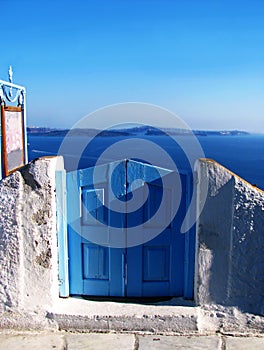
242 154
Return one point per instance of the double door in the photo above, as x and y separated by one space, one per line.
123 237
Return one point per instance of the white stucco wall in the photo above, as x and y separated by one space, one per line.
11 273
230 240
28 241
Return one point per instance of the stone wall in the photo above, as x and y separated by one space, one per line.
230 240
28 241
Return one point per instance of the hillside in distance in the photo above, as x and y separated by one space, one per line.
134 131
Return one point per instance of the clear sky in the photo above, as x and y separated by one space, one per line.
202 59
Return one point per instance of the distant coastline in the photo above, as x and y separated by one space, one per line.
141 130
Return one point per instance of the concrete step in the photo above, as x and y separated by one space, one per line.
76 314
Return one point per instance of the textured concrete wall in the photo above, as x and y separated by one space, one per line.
11 272
230 241
28 242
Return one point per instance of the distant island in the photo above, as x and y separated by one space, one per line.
134 131
39 131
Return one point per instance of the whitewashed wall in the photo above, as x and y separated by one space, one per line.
28 240
230 241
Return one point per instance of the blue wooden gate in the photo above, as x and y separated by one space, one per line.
160 266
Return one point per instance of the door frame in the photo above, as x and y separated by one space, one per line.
62 232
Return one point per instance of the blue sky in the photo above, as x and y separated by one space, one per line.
201 59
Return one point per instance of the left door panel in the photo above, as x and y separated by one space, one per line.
95 269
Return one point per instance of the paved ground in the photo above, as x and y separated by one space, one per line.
99 341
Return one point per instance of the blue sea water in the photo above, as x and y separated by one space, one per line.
242 154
